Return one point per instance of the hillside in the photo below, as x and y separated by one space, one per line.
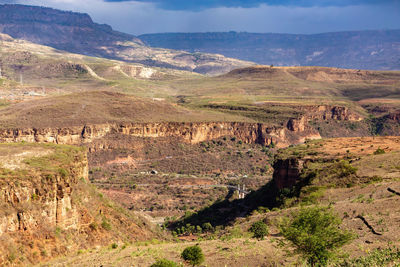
49 208
356 177
375 50
77 33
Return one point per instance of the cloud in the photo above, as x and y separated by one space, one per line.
138 17
198 5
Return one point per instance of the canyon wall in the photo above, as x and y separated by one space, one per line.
42 201
193 132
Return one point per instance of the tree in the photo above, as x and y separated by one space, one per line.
259 229
164 263
315 234
194 255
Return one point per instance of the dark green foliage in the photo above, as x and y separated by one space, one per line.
343 168
193 255
164 263
207 227
379 151
114 245
315 234
259 230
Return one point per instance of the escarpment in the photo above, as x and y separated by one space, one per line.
192 132
42 201
49 208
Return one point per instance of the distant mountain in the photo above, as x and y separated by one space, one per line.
379 50
77 33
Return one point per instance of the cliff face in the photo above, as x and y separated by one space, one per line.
49 198
48 206
287 172
188 132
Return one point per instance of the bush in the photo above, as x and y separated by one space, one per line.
345 169
259 230
315 234
379 151
194 255
164 263
63 172
114 245
106 225
377 257
207 227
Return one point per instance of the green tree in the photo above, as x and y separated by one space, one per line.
164 263
259 229
315 233
194 255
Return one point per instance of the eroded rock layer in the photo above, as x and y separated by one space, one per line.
188 132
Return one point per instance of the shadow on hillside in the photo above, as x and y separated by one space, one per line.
224 213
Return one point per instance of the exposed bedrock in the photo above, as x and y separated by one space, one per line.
51 196
189 132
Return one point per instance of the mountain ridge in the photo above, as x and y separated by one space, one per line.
77 33
370 49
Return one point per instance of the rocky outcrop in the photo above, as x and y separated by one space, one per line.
394 116
296 125
43 201
320 112
193 132
327 112
287 172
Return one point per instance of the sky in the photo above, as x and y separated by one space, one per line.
277 16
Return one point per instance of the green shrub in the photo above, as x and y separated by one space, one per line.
193 255
164 263
63 172
207 227
106 225
379 151
259 230
344 168
114 245
315 234
377 257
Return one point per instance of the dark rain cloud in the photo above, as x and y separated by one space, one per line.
205 4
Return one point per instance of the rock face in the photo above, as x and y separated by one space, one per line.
51 194
49 208
77 33
296 125
38 201
188 132
287 172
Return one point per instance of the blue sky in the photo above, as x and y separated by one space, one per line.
283 16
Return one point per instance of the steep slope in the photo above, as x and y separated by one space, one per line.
379 50
49 208
77 33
